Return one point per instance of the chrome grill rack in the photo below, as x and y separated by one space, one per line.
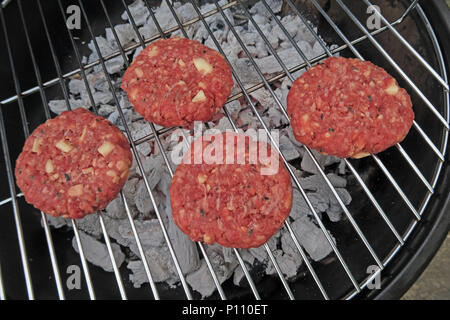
357 283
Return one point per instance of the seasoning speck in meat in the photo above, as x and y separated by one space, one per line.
232 204
349 108
174 82
73 165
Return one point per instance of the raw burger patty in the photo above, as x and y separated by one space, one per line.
232 204
177 81
348 108
73 165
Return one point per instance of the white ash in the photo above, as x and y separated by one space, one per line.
335 211
229 255
134 165
316 182
311 238
142 199
124 102
55 222
307 232
59 106
116 209
185 11
185 249
342 168
155 249
217 24
300 208
139 13
274 118
282 94
264 98
140 129
161 267
112 227
149 232
245 71
147 31
308 163
201 279
321 198
116 119
260 253
129 190
125 34
260 8
106 48
77 86
289 247
288 264
239 275
99 97
192 262
90 224
247 118
105 110
290 58
96 252
138 276
288 149
223 124
153 167
319 203
98 81
164 17
144 148
298 144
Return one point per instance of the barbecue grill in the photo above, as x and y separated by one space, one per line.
399 213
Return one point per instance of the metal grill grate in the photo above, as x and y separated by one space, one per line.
244 93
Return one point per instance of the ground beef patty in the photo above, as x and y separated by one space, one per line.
73 165
232 204
348 108
177 81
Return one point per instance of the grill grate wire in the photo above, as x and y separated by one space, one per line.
244 93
